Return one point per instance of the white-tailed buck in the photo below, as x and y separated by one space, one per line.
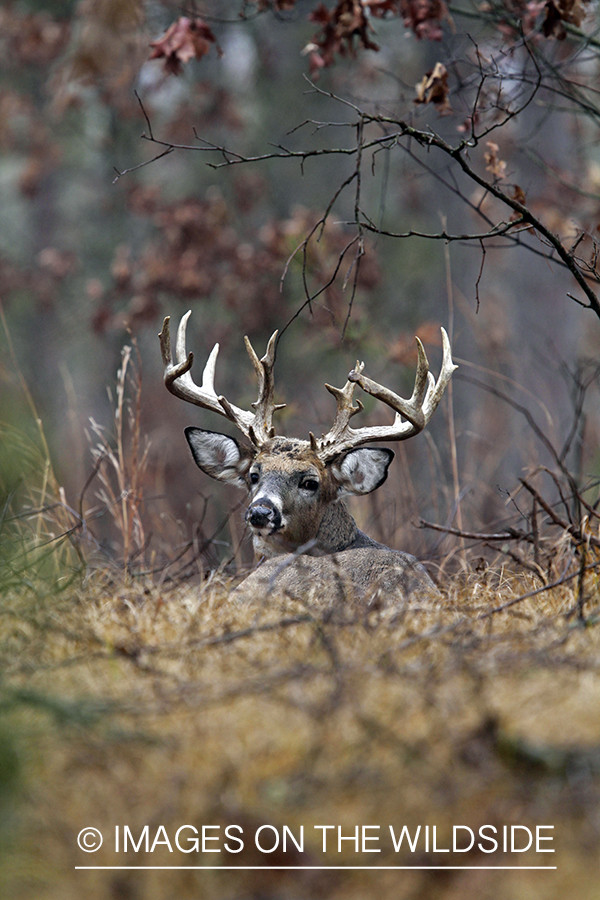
301 527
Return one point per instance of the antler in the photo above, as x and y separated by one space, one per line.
257 425
411 415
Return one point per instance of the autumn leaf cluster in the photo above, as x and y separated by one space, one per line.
196 251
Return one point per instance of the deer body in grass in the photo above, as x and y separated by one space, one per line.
301 528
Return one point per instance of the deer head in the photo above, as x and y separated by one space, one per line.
296 486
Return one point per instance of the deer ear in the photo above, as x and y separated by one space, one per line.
362 470
219 455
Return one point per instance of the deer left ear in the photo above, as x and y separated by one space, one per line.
219 455
362 471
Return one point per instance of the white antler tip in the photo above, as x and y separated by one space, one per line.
447 352
208 375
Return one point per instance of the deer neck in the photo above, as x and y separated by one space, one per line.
337 531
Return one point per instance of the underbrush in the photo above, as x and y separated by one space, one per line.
134 705
135 695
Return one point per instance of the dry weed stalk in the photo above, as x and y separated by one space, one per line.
120 463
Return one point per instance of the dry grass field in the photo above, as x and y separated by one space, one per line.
132 704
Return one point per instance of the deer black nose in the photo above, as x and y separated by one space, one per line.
263 514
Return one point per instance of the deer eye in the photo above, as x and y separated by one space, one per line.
310 484
254 476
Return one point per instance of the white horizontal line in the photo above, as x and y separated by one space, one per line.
290 868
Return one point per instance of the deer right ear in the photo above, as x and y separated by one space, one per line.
362 470
219 455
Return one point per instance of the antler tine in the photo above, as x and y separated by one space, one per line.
171 371
265 406
412 409
434 394
179 381
423 377
345 409
411 415
183 364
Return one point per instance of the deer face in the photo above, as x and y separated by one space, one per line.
290 487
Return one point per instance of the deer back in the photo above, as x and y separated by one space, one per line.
362 573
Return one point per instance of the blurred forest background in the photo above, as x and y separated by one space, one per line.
346 132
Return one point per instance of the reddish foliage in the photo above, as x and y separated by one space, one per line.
339 29
547 17
424 17
185 39
198 253
43 280
347 25
32 39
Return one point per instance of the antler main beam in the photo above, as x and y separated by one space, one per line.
257 425
411 415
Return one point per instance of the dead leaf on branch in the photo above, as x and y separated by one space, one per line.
547 17
494 164
433 88
184 40
425 17
559 11
340 27
519 195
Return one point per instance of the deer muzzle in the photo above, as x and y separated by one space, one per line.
263 514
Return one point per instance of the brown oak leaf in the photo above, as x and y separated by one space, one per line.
433 88
185 39
341 27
